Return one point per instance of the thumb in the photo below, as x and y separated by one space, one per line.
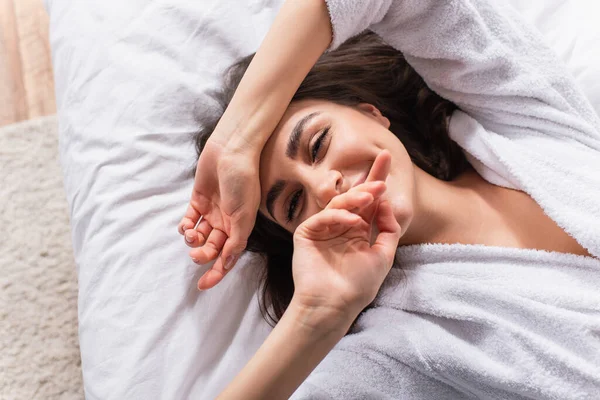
237 240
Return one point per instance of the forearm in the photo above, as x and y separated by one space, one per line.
300 34
297 344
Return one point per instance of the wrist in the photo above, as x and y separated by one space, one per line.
321 320
235 132
292 350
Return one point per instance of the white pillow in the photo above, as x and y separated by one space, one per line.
131 78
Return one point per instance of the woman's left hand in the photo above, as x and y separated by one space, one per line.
335 268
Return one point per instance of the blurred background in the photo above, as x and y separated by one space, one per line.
39 343
26 84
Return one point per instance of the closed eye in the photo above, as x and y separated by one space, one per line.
315 150
318 144
293 205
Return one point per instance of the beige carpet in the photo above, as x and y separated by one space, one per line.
39 348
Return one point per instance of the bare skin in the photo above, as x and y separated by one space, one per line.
340 152
501 217
467 210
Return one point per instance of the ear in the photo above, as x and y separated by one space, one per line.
373 112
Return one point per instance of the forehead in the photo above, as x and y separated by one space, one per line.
296 111
301 108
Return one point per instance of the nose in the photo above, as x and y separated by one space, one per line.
329 186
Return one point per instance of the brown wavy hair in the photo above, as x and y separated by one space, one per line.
364 69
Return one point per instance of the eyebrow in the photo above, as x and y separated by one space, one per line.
274 192
294 140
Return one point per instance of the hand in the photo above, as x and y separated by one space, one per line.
335 267
227 195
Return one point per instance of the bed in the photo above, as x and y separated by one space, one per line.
132 79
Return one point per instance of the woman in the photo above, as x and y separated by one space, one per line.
362 72
322 175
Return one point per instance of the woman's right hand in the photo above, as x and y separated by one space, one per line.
226 195
336 270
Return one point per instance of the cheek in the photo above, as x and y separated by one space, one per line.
401 192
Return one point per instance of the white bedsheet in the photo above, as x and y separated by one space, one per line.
131 78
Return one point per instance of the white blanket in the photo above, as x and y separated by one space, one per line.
131 77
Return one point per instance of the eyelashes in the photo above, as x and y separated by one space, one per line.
293 206
314 153
318 143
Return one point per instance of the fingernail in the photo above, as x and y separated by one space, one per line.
189 238
230 261
195 260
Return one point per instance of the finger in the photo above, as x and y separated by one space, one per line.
376 188
199 234
359 202
386 242
197 237
320 221
351 200
214 275
379 172
211 278
211 249
241 227
359 197
381 167
189 220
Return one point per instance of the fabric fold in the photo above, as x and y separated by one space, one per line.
457 321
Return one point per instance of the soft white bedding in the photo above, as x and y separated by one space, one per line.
131 79
472 322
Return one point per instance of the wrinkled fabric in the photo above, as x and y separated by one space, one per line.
472 322
480 322
133 79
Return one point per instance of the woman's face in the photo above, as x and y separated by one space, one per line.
321 149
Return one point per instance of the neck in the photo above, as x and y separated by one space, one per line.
448 212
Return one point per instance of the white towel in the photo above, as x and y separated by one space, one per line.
478 321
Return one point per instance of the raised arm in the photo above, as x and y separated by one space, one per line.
226 191
481 55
